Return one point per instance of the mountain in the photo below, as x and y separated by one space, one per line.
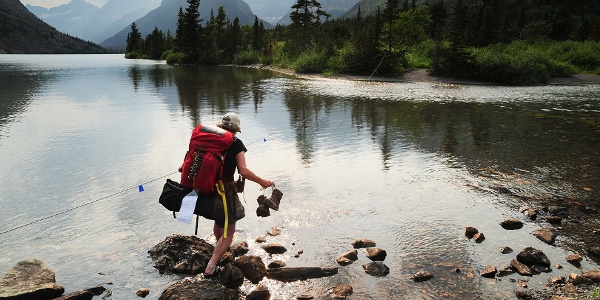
69 18
86 21
165 18
22 32
369 7
336 8
115 15
269 10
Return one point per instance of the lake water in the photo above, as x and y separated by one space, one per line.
406 164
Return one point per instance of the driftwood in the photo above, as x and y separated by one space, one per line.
299 273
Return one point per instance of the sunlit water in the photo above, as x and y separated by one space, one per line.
408 165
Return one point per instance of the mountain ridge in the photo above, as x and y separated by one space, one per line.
22 32
165 18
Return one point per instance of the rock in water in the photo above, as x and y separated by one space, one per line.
30 279
199 290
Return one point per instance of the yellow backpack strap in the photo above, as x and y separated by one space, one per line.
221 191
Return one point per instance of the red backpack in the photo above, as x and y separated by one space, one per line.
203 164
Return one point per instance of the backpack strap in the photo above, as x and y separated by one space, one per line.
221 191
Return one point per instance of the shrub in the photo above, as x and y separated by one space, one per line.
310 62
246 58
342 60
419 57
505 68
133 55
173 58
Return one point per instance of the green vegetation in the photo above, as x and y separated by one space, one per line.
594 294
510 41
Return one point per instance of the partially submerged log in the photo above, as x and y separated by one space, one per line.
299 273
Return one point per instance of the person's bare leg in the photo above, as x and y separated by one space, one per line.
220 248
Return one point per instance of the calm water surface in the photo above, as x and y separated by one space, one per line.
408 165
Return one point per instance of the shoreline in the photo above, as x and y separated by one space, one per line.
422 75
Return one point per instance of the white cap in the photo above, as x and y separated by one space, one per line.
232 121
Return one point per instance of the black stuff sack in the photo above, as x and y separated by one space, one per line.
172 195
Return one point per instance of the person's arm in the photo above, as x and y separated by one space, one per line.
243 170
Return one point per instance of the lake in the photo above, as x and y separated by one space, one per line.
406 164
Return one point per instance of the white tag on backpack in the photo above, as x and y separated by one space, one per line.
186 212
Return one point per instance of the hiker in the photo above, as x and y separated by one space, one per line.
235 158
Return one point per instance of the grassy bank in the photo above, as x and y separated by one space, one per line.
519 62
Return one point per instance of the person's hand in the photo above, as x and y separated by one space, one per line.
266 183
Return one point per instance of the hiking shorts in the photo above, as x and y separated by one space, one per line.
210 206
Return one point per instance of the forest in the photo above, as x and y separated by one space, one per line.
503 41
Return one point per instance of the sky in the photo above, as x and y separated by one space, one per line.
55 3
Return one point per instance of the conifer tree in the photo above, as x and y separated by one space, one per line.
188 31
306 17
134 40
392 7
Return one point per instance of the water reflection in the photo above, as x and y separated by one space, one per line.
407 164
18 89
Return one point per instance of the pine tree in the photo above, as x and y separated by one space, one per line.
134 40
257 35
187 36
456 60
306 17
392 8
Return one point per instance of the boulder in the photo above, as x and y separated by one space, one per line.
555 220
363 243
531 256
376 268
143 292
199 290
179 254
511 224
299 273
593 275
569 288
30 279
522 269
275 231
347 258
488 272
557 280
276 264
231 276
505 271
529 212
81 295
574 258
261 292
556 210
470 232
594 252
341 291
422 276
376 254
577 279
274 248
547 235
522 294
479 237
252 267
239 249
